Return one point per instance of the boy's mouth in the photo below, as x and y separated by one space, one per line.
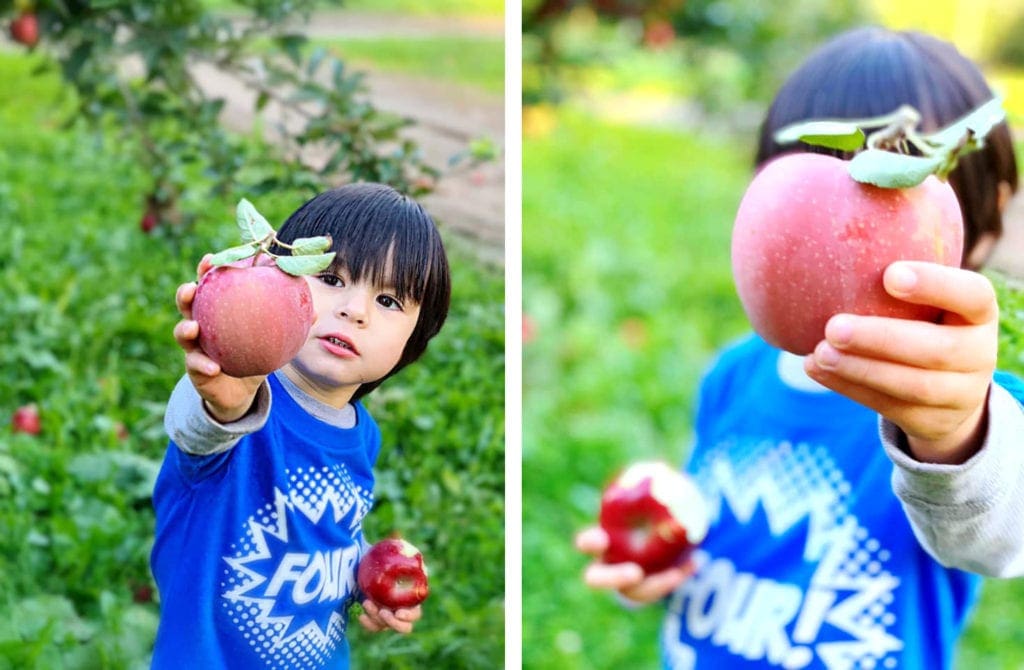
340 342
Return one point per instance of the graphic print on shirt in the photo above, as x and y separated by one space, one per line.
287 600
838 612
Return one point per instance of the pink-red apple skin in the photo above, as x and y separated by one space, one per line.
653 515
810 242
26 420
25 29
393 574
252 319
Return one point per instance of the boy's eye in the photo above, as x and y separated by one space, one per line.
388 302
331 279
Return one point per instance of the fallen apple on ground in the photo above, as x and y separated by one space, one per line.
810 242
393 574
26 420
25 29
654 515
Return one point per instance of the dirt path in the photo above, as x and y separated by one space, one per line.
446 118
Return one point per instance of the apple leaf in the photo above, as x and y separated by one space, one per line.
980 122
304 265
841 135
253 226
233 254
892 170
306 246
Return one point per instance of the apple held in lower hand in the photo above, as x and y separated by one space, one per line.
654 515
809 242
393 574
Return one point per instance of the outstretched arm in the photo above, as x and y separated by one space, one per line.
953 434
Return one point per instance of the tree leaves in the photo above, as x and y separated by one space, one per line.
304 265
308 254
842 135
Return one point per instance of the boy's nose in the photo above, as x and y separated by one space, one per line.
355 306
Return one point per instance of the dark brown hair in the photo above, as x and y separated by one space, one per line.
388 239
871 71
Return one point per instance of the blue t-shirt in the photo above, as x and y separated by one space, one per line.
810 561
256 547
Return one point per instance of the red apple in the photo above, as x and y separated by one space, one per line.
252 318
25 29
654 516
393 574
809 242
26 420
148 221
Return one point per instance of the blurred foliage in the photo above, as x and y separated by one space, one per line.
627 296
85 333
728 51
136 65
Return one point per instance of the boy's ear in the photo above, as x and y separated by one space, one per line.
981 251
1005 192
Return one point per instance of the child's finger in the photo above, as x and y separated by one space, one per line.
198 363
186 332
394 623
409 614
183 298
616 576
204 266
370 624
915 343
593 541
657 586
962 292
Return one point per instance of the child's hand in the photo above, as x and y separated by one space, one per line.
227 398
375 618
627 578
930 379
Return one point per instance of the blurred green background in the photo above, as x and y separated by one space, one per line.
86 316
638 144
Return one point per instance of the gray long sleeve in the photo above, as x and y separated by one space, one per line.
969 516
192 428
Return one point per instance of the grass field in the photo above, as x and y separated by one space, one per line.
628 291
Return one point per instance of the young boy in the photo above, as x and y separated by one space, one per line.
810 560
260 501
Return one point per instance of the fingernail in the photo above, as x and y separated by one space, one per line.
839 330
826 356
901 279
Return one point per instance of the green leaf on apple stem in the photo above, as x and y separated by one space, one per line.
892 170
251 223
841 135
304 265
980 122
233 254
306 246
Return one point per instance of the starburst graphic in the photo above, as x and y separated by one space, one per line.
289 581
839 614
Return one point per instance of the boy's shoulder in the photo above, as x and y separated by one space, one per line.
1011 383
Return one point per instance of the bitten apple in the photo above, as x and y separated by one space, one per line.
252 318
393 574
810 242
654 516
26 420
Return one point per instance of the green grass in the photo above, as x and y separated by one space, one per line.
87 316
473 61
627 281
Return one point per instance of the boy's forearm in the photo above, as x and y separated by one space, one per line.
195 429
969 515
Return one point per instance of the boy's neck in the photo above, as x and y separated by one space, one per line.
341 417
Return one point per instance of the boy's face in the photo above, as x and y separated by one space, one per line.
358 337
